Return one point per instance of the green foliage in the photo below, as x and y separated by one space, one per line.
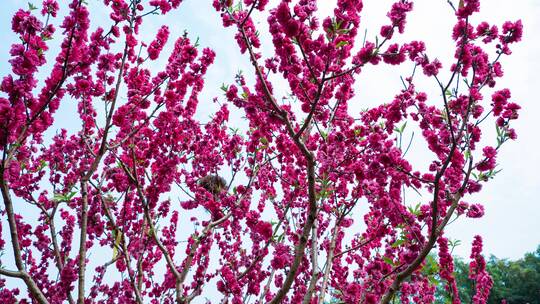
464 284
517 282
59 197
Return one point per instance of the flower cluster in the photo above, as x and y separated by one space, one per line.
157 45
178 203
478 273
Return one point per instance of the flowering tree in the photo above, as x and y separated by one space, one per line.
281 197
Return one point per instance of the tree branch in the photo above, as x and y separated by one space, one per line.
310 159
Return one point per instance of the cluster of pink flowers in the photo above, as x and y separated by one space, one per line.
270 211
157 45
478 273
447 269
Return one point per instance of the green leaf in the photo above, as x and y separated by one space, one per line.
388 260
324 135
467 154
415 210
398 243
344 31
444 115
433 280
341 44
31 7
453 244
402 128
117 239
71 195
58 197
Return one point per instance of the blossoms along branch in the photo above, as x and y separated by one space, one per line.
275 205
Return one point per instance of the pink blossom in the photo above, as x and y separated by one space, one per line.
157 45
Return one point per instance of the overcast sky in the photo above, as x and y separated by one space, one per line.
511 225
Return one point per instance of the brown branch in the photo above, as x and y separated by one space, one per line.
208 229
121 246
59 261
249 13
93 167
314 263
353 248
82 242
435 230
267 286
11 273
34 290
331 256
356 66
146 120
65 73
164 251
259 257
314 104
127 259
6 158
310 159
308 64
170 263
348 71
433 234
180 277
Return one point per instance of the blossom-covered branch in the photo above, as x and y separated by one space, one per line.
301 202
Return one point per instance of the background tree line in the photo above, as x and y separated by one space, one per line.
515 282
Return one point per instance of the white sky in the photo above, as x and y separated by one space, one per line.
511 225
